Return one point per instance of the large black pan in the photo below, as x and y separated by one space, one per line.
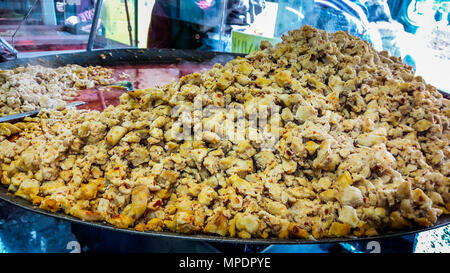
118 57
128 56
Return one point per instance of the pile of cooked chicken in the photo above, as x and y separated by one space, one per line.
33 87
358 146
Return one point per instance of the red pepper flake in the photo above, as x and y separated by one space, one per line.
288 152
157 203
13 138
314 132
295 229
126 185
115 168
236 189
89 213
219 95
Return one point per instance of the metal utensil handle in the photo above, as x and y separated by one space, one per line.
33 113
18 116
23 20
93 33
129 24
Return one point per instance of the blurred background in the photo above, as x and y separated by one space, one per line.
416 30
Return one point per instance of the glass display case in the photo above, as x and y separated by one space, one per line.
418 31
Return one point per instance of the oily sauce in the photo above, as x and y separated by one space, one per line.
142 76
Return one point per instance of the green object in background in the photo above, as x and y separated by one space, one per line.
247 43
114 19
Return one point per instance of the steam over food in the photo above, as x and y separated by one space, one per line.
319 136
